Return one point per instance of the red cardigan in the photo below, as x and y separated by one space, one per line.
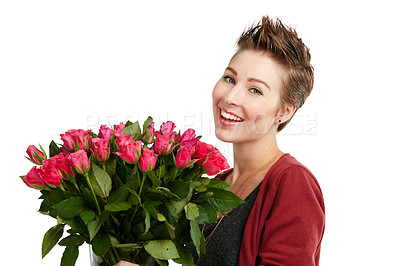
286 224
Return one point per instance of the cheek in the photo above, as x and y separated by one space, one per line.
217 93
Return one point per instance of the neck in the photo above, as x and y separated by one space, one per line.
250 156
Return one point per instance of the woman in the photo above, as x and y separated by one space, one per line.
283 217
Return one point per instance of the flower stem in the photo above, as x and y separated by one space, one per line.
94 195
116 255
141 185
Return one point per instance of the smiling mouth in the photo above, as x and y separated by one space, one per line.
229 116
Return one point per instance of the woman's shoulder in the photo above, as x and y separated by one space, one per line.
289 173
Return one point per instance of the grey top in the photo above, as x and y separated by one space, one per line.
223 247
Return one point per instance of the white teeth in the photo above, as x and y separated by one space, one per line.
229 116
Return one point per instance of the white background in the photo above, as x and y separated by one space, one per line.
79 64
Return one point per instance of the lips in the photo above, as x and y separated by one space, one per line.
229 117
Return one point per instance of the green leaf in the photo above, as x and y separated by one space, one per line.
111 166
191 211
135 199
101 243
217 183
45 206
76 224
54 196
156 182
87 216
170 229
161 217
72 240
118 206
71 207
69 256
147 123
54 149
202 196
207 213
171 213
168 193
196 235
100 180
179 188
51 238
93 228
162 249
132 130
119 195
146 220
223 200
185 257
152 211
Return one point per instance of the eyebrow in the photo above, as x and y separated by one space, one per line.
232 70
259 81
250 79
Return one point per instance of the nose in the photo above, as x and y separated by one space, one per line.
234 95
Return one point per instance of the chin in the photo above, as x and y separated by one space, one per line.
225 137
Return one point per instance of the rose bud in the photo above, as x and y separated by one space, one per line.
80 161
184 156
33 179
100 149
105 132
62 163
36 156
167 127
130 152
119 128
75 139
149 132
147 160
163 144
188 135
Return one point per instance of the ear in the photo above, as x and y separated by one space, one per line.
285 113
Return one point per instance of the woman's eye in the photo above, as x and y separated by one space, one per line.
229 79
255 90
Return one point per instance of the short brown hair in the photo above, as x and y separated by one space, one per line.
283 45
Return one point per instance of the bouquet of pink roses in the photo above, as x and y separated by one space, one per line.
132 193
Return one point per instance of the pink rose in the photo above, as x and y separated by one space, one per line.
216 163
62 163
167 127
100 149
122 140
188 135
80 161
150 129
163 144
119 128
35 154
203 150
105 132
76 139
33 179
147 160
184 156
50 173
130 151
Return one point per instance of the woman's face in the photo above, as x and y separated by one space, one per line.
246 100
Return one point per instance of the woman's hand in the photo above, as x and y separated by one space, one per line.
124 263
